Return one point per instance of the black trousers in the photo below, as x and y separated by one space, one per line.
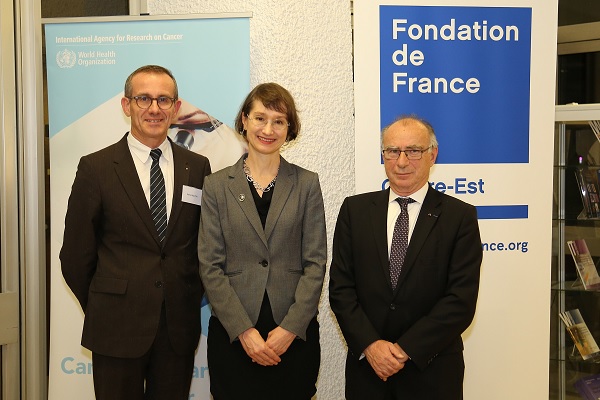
234 376
160 374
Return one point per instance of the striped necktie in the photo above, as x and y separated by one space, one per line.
158 197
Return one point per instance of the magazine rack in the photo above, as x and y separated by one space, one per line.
576 215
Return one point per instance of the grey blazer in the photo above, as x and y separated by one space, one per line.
239 259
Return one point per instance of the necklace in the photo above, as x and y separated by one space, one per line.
257 185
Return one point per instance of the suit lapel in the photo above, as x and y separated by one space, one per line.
378 214
428 216
239 189
127 173
281 193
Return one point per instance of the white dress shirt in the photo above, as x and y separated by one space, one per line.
413 212
142 160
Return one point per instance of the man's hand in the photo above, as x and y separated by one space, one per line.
257 348
386 358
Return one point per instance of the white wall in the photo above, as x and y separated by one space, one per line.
306 46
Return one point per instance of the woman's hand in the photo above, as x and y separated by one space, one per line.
279 340
257 349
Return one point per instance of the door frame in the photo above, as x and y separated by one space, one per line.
32 219
22 205
9 232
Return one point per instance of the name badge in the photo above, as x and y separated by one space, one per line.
191 195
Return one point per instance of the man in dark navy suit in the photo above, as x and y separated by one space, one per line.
404 290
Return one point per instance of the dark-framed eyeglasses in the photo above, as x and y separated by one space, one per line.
393 153
163 102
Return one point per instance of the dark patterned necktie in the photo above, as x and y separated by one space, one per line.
399 240
158 197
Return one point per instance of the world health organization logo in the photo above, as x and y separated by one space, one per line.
65 58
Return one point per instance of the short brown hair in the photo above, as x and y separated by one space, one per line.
149 69
274 97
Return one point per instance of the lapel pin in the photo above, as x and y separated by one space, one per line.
432 215
242 197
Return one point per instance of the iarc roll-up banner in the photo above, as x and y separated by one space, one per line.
88 62
482 72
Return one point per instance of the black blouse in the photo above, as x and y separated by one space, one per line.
262 203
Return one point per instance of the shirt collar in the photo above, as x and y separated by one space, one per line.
418 196
142 152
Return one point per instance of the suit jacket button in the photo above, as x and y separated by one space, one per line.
392 307
158 284
163 256
264 263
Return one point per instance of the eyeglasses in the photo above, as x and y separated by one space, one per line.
278 125
393 153
163 102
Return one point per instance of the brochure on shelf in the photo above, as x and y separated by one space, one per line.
588 188
589 387
586 269
581 335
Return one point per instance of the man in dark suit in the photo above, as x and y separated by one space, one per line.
403 306
137 282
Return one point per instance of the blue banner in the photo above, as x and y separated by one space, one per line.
87 65
464 69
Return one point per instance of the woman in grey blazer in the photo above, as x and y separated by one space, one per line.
262 250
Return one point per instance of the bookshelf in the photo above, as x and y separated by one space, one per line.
576 149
